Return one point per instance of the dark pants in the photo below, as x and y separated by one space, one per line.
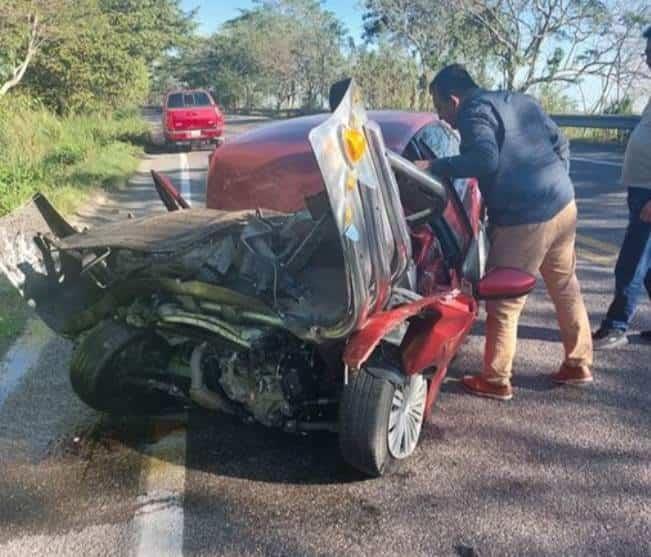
633 270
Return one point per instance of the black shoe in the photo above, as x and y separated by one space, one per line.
646 336
606 338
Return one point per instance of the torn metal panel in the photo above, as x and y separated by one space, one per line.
165 233
50 282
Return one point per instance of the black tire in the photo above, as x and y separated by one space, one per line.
173 147
364 423
94 374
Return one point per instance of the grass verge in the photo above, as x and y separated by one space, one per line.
13 316
587 135
66 158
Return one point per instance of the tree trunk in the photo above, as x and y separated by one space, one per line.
19 71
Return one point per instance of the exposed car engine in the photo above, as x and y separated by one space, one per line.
272 381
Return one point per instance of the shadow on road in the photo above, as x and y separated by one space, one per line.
221 445
224 446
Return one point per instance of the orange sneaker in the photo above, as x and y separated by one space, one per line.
572 376
478 386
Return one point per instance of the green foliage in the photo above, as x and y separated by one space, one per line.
597 136
68 69
435 32
554 99
88 55
90 70
389 78
617 106
519 44
148 28
620 106
65 157
24 27
13 314
286 50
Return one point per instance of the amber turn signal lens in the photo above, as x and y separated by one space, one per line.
354 144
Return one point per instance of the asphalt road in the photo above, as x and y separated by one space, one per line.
558 471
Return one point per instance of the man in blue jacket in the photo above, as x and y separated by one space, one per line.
521 159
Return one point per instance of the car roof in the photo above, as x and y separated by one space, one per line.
251 168
198 90
398 127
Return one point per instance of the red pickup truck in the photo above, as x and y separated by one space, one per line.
190 117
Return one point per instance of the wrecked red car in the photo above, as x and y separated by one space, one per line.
273 166
332 295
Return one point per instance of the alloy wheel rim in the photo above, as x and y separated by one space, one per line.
406 416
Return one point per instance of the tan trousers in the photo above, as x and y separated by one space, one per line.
547 247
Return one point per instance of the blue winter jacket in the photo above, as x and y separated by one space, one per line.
517 152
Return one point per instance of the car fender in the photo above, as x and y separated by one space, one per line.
450 315
432 342
390 374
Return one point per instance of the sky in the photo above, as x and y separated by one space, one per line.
212 13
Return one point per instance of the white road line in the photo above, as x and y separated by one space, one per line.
158 522
22 356
186 186
592 161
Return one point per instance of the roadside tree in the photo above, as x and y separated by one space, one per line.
526 43
25 27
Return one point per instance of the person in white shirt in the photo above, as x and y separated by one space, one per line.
633 269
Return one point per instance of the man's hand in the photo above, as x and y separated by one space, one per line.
423 165
436 167
645 215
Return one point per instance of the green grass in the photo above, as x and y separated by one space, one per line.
66 158
597 136
13 316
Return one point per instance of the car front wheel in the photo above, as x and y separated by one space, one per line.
106 359
381 420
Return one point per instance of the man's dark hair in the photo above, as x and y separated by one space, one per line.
337 92
647 33
452 80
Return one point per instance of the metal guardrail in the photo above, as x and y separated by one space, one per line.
604 122
282 113
597 121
